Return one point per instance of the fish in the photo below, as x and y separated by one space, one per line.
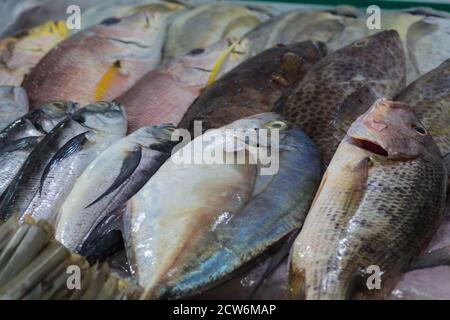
192 225
379 203
362 71
164 94
19 139
13 104
427 43
103 10
101 62
429 97
206 24
20 53
110 180
254 86
296 26
49 172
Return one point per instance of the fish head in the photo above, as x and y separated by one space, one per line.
103 116
157 137
390 129
51 113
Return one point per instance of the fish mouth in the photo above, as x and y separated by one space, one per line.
368 146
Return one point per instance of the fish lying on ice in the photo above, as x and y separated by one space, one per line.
362 71
254 86
192 225
100 62
109 181
49 172
380 201
13 104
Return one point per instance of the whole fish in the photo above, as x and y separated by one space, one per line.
104 60
207 24
20 53
13 104
22 136
164 94
362 71
380 201
40 185
110 180
429 97
254 86
192 225
296 26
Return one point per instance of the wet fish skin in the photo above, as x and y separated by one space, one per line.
214 222
13 104
429 97
376 62
109 181
254 86
164 94
27 183
20 53
208 23
104 61
380 201
19 139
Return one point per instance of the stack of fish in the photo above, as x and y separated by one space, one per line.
95 144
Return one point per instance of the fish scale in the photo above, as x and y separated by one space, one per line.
376 61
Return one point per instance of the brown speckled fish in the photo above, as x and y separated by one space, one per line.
429 97
380 201
253 86
98 63
376 62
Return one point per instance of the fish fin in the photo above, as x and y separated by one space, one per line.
358 186
352 107
20 144
276 259
296 283
70 148
290 63
219 62
433 258
446 159
107 80
105 239
417 30
129 165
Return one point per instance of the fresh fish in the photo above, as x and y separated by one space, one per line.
192 225
120 8
164 94
380 201
428 45
429 97
374 65
207 24
296 26
110 180
100 62
22 136
20 53
13 104
50 170
254 86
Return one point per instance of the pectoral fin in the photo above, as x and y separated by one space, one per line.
129 165
434 258
71 147
20 144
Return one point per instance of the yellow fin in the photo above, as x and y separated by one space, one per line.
219 62
48 28
106 81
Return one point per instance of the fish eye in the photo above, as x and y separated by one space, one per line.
110 21
277 124
196 51
419 129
